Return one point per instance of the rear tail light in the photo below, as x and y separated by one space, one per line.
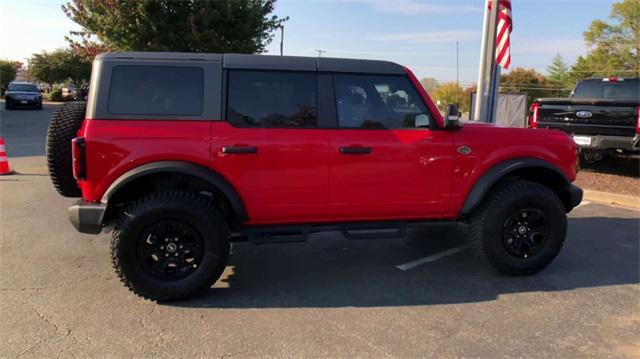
78 158
533 118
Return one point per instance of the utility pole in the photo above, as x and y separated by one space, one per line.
484 97
281 40
457 65
320 52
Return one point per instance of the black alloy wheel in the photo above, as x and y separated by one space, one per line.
525 232
170 249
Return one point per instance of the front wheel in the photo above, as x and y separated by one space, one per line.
170 245
519 228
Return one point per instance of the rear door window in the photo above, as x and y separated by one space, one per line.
156 90
272 99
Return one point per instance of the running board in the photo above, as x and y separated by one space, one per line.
352 231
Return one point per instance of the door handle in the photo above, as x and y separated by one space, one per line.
240 149
355 150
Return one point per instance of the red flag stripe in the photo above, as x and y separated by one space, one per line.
505 26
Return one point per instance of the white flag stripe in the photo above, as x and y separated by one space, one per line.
504 27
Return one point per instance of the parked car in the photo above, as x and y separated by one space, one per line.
602 115
22 95
69 92
182 153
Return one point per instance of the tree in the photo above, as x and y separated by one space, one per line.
520 80
451 93
559 75
8 71
242 26
429 84
616 44
59 66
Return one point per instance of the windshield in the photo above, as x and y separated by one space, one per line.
23 88
621 90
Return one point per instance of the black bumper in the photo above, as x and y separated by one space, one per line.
86 217
28 103
575 196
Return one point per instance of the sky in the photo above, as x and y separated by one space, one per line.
419 34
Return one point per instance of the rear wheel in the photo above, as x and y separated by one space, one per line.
64 125
519 228
170 245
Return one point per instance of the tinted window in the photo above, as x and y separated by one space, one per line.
271 99
22 88
156 90
365 101
622 90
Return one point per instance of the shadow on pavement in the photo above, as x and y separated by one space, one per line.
328 271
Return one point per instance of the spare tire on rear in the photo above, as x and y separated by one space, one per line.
64 125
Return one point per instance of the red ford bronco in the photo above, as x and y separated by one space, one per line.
185 153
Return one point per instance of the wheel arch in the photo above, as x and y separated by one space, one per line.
531 169
158 172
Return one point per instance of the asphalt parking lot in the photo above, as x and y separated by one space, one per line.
328 297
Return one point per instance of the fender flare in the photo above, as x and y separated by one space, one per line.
495 173
187 168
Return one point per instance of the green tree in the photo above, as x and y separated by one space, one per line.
8 71
616 44
451 93
582 69
243 26
559 76
59 66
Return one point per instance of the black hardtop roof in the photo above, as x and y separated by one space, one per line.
267 62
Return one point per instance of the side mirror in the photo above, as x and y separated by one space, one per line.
451 117
422 121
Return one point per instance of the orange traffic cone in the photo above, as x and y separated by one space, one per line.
4 162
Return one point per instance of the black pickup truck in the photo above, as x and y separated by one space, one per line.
602 115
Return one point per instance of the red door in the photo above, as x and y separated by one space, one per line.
405 174
271 149
281 174
388 160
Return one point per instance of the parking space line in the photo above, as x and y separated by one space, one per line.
432 258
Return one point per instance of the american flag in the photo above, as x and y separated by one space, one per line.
505 25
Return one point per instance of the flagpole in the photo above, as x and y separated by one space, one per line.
484 95
495 93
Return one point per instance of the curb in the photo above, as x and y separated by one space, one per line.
612 198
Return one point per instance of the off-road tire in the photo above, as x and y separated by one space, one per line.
64 125
487 223
196 210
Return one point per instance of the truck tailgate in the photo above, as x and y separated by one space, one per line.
584 117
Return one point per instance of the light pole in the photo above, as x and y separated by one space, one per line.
281 40
457 65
